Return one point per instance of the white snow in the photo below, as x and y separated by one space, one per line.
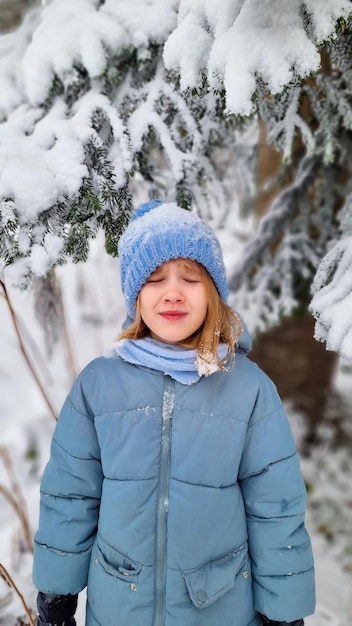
332 299
231 42
43 258
324 14
191 60
235 42
38 168
69 32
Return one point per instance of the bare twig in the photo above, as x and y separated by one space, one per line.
12 476
17 500
9 581
21 514
24 351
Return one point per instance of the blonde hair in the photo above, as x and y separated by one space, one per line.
221 325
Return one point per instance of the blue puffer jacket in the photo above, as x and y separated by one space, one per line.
175 504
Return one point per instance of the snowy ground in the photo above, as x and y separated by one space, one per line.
26 427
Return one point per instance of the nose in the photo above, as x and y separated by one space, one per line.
173 293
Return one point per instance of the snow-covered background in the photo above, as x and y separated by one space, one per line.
43 160
85 84
94 312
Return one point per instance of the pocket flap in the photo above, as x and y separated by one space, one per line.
209 582
115 563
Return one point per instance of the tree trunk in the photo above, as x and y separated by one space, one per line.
300 366
12 12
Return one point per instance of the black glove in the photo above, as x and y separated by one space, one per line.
271 622
56 610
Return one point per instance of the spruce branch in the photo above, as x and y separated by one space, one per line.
272 225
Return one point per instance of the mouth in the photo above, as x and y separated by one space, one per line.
172 316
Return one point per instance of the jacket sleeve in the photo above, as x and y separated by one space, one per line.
275 500
69 501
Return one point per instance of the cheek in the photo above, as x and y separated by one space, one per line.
143 299
202 302
204 312
147 299
205 297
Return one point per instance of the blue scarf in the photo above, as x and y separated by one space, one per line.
185 366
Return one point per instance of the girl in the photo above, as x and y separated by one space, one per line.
173 490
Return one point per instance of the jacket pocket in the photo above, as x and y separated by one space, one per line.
209 582
115 563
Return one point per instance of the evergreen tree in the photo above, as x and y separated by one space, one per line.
303 246
104 103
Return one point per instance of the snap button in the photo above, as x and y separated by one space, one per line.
133 587
245 574
95 561
202 595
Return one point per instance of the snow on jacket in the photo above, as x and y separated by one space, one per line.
176 505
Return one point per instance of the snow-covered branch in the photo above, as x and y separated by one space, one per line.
104 102
332 299
271 227
233 46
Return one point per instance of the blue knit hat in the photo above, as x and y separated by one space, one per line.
159 232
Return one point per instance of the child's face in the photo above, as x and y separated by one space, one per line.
173 301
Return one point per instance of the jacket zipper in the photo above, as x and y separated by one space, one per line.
163 503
